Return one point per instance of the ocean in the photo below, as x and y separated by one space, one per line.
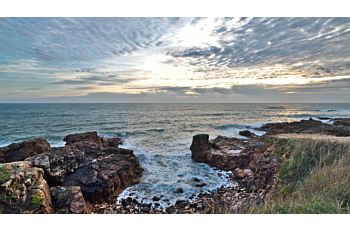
159 134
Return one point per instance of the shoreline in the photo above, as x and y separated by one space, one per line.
248 189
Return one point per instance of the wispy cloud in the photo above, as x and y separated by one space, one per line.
175 57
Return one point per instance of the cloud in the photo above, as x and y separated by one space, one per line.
308 43
83 39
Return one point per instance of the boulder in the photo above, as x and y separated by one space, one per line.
22 150
23 189
69 200
247 133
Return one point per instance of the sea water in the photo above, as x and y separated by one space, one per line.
159 134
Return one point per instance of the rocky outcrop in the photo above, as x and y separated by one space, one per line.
308 126
95 164
69 200
92 137
22 150
224 153
88 169
23 189
341 121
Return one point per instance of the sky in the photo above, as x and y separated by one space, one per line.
175 60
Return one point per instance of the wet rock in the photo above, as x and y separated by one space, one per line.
179 190
247 133
126 201
22 150
196 179
155 198
201 185
179 202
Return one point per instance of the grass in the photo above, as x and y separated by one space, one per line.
37 200
4 175
315 179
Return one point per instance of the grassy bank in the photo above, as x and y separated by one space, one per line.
313 178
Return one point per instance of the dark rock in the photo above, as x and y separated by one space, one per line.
68 200
196 180
95 164
22 150
127 201
145 209
92 137
232 152
341 121
155 198
157 204
247 133
179 190
309 127
179 202
199 147
201 185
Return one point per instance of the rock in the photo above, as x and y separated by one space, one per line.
201 185
205 204
179 202
196 179
93 163
155 198
179 190
341 121
247 133
23 189
308 127
92 137
22 150
229 153
127 201
239 173
145 209
69 200
199 147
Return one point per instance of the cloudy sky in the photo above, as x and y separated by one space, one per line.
182 59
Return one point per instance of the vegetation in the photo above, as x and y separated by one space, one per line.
315 178
37 200
4 175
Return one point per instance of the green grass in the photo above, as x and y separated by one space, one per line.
37 200
315 179
4 175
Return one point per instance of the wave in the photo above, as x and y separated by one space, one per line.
334 110
276 107
228 126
